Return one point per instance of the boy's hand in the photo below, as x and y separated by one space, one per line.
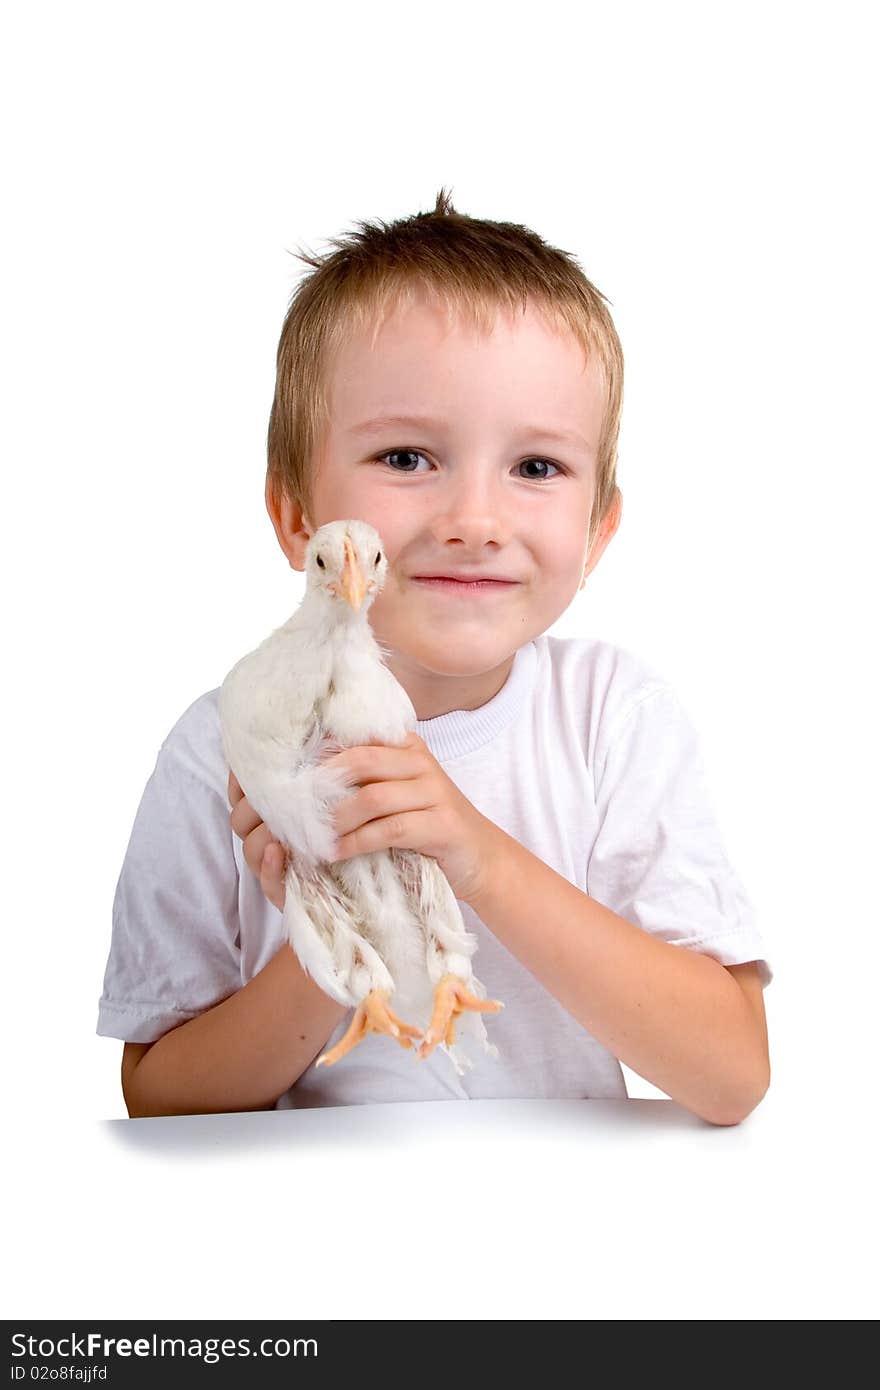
264 856
406 801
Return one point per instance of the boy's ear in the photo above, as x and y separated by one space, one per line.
292 526
607 527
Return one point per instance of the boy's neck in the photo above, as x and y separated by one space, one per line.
433 694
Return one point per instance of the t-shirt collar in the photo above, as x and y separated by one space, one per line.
465 730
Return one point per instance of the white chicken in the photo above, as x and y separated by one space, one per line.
379 924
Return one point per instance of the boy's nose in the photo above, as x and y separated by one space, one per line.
475 514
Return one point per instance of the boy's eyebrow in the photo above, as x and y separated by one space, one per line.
424 422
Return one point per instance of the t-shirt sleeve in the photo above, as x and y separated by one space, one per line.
175 945
659 859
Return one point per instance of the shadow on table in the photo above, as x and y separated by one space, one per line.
398 1125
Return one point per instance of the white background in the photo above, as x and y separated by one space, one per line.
712 168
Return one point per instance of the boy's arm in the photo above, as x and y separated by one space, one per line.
240 1055
674 1015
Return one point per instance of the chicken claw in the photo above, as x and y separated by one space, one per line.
372 1015
452 997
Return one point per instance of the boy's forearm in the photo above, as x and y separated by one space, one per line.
673 1015
243 1053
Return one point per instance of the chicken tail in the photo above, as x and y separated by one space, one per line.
434 903
325 929
449 946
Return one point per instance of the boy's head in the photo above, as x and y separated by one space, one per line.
508 365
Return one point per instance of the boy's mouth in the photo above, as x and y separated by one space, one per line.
448 584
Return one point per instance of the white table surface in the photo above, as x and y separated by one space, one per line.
498 1209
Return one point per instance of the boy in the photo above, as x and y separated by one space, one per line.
458 384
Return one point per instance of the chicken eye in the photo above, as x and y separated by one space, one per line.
378 558
320 562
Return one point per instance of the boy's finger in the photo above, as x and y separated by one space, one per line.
273 861
234 791
244 819
271 875
255 846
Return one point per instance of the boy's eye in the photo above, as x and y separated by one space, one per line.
415 454
400 453
544 463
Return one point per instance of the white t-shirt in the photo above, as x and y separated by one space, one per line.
585 756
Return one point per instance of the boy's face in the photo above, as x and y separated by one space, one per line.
482 490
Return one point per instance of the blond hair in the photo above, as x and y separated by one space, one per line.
470 267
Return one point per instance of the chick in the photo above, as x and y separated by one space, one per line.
377 925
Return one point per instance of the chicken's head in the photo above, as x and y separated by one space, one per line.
345 561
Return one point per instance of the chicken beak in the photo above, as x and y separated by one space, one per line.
353 585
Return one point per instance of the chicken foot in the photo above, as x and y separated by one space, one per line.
451 997
372 1015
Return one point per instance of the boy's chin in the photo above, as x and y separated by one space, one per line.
475 658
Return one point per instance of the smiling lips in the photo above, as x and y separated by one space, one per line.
467 576
448 584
